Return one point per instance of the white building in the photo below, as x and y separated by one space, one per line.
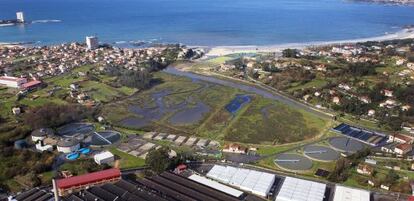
92 42
216 185
20 17
68 145
256 182
294 189
42 148
13 82
105 157
41 134
16 110
343 193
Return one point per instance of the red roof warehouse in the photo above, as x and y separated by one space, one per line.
80 182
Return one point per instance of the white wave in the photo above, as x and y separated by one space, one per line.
120 42
46 21
6 25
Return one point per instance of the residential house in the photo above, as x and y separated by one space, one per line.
16 110
400 138
365 169
234 148
387 93
402 149
336 100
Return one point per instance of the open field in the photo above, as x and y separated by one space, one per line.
126 160
200 107
268 121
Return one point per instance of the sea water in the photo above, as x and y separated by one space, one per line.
201 22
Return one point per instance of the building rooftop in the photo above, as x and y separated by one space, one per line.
88 178
13 79
43 132
31 84
67 142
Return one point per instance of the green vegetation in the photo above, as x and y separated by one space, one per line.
127 161
275 123
25 165
159 160
261 121
82 166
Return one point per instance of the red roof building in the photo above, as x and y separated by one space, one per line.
76 183
403 148
31 84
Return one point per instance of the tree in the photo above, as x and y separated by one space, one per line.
391 177
140 79
340 173
158 159
53 115
290 53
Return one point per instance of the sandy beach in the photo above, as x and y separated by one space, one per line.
226 50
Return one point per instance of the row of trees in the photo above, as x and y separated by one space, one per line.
53 115
160 160
344 165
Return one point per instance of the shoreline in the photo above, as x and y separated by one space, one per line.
216 51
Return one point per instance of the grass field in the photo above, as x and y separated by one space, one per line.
271 122
126 160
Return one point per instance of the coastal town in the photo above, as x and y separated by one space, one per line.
110 117
359 154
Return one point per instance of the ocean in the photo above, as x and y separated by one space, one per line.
201 22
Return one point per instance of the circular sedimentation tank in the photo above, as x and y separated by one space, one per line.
103 138
320 153
74 129
344 144
293 162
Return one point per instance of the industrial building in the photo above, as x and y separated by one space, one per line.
77 183
258 183
12 82
41 134
213 184
105 157
294 189
68 145
343 193
162 187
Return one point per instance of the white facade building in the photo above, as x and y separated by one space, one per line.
105 157
20 17
92 42
343 193
256 182
41 134
68 145
47 147
13 82
294 189
216 185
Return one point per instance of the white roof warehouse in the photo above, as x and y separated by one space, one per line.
259 183
294 189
